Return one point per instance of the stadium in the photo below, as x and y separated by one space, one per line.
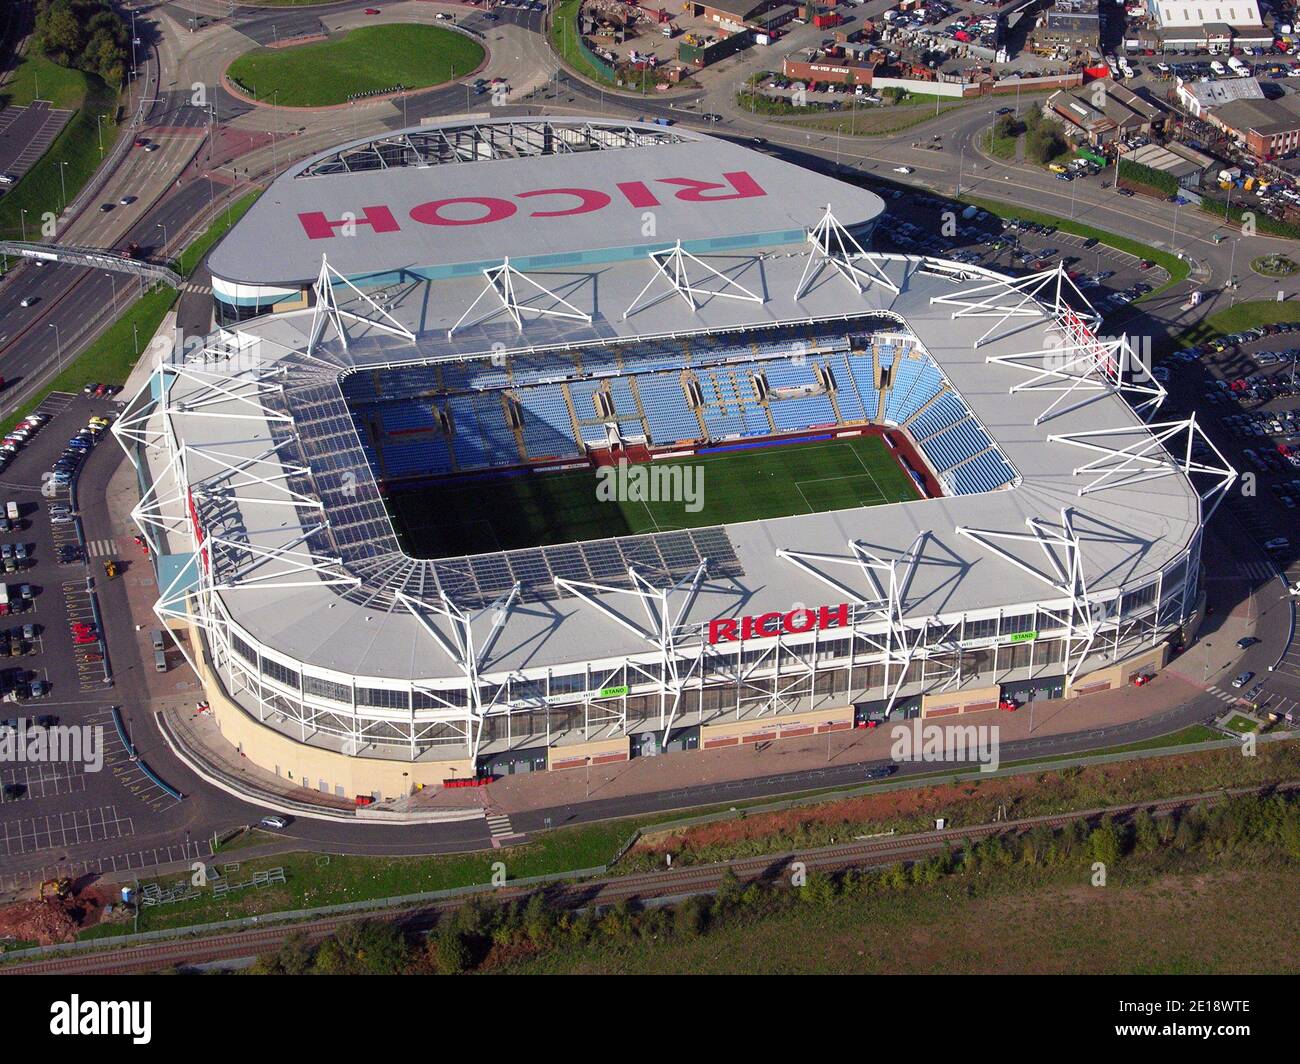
528 444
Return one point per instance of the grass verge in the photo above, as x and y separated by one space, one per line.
37 78
1238 318
565 42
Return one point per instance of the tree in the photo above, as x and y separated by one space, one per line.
60 35
1044 142
451 951
1104 843
1146 837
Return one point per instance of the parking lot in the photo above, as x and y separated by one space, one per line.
1246 395
26 133
62 814
1110 279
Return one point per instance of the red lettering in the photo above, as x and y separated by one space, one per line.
788 625
693 191
638 194
589 200
722 630
318 227
765 625
840 615
431 213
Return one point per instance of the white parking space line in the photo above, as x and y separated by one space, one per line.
33 834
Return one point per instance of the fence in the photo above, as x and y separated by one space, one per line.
247 922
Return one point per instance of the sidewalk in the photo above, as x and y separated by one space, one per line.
674 771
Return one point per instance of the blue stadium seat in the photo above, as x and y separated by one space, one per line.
985 472
955 444
915 383
667 415
947 409
548 429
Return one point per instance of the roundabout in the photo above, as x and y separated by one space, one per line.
1274 266
365 62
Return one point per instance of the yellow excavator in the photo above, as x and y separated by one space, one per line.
57 888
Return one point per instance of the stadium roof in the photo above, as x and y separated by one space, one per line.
352 618
443 198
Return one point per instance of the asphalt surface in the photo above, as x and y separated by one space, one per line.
25 133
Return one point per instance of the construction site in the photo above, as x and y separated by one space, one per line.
62 910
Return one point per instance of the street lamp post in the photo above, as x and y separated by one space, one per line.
63 184
22 217
58 345
163 227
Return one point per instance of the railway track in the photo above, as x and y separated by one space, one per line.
646 886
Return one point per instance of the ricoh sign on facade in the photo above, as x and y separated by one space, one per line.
563 202
769 625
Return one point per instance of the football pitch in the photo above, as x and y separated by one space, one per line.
537 509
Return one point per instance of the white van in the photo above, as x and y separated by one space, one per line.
1218 68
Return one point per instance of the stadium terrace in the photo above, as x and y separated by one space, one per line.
372 495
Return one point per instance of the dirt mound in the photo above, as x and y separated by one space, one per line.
44 922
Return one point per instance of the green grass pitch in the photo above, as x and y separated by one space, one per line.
536 509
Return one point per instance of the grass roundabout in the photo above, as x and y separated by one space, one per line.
367 61
1274 266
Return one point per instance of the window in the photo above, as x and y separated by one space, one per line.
321 688
528 689
381 698
243 649
1023 622
1136 601
568 684
281 674
440 700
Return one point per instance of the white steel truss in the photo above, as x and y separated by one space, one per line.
835 246
327 309
662 632
503 282
1036 295
1080 369
1083 619
461 648
1156 453
890 578
672 265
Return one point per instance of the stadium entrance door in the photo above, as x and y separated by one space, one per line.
650 743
